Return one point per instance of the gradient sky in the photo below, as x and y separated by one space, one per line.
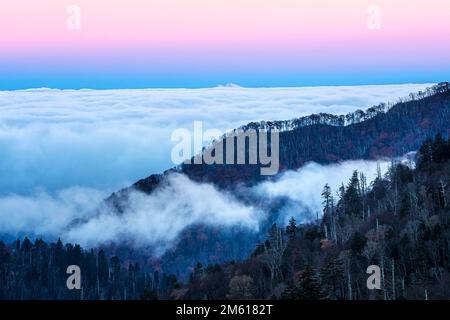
203 43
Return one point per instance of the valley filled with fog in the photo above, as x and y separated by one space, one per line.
63 151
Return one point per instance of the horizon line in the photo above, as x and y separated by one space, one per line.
219 86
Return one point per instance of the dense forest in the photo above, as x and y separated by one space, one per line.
38 271
387 131
400 222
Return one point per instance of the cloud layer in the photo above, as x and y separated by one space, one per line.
79 215
158 219
58 139
42 214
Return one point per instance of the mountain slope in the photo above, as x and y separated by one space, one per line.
323 139
400 223
393 133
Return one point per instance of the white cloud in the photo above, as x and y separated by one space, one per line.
46 215
156 220
57 139
304 186
79 215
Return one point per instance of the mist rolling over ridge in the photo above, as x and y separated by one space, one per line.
156 220
78 213
107 139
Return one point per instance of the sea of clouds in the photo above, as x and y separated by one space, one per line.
107 139
63 151
79 214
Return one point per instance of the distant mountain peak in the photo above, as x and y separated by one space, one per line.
229 85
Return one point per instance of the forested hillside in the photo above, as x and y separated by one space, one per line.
400 222
37 270
400 130
380 131
386 132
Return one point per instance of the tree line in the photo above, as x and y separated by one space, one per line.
399 222
38 270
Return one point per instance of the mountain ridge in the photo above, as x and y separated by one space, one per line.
410 121
390 134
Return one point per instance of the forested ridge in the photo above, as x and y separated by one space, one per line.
400 222
392 132
380 131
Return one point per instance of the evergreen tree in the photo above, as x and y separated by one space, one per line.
425 154
291 229
352 196
331 278
327 200
308 287
357 243
329 218
439 148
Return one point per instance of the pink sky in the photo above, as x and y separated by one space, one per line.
256 40
28 24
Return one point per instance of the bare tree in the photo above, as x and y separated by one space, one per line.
273 253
